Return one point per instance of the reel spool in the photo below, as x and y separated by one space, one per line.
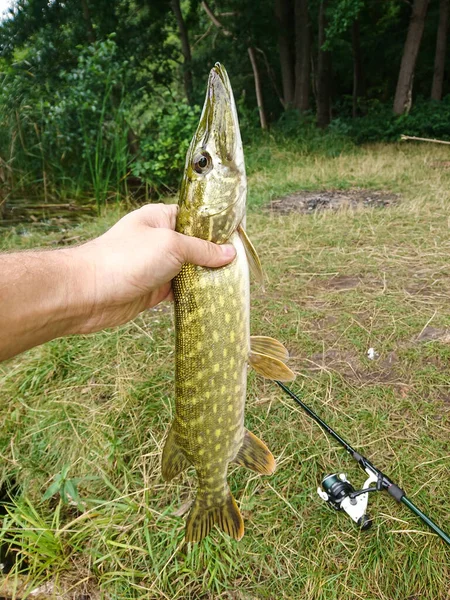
339 493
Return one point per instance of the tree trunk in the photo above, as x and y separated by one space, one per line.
185 49
302 55
252 55
258 89
403 93
323 72
88 22
439 57
284 14
357 67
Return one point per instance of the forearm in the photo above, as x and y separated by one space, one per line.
41 298
103 283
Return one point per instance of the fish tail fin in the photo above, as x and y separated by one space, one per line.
173 461
201 519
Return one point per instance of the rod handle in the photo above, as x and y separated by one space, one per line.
396 492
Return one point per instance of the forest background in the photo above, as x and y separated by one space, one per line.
101 98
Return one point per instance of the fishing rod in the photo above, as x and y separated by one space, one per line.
339 493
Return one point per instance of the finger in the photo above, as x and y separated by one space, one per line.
158 215
206 254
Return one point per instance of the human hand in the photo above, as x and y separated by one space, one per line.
130 267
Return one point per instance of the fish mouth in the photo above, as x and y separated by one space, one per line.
219 77
221 126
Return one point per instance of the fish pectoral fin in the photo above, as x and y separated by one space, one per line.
269 346
201 519
255 455
270 367
173 460
253 259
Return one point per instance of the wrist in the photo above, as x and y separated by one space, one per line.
63 305
78 292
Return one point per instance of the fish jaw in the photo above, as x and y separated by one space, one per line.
214 188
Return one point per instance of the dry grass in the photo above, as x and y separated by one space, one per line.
338 284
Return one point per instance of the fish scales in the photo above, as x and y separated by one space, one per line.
212 311
212 348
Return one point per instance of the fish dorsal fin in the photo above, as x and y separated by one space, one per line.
270 367
173 460
269 346
253 259
201 519
254 455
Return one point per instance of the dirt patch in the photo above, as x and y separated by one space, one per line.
440 164
352 367
308 202
345 363
433 334
341 283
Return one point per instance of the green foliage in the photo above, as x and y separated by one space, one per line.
298 133
73 133
343 14
65 487
88 118
163 145
426 119
33 536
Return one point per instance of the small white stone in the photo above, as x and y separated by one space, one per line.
372 354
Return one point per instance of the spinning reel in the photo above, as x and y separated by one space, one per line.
339 493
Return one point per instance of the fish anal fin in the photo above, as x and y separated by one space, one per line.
253 259
269 346
201 519
269 367
255 455
173 460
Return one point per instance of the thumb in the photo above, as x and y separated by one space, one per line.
205 254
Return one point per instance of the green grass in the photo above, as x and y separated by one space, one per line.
96 408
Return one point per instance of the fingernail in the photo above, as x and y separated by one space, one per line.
228 250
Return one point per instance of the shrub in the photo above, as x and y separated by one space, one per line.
163 145
427 118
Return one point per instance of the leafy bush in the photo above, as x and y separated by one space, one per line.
88 118
163 145
427 118
73 132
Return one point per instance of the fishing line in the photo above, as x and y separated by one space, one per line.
338 492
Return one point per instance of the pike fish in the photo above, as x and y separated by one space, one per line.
212 311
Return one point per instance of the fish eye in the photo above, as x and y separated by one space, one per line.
202 163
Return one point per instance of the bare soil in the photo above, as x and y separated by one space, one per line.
308 202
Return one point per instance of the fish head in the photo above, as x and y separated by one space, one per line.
214 188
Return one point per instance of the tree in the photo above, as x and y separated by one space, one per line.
302 55
323 71
441 45
185 49
284 17
88 21
357 67
252 56
403 93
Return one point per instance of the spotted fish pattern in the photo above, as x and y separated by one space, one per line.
212 311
